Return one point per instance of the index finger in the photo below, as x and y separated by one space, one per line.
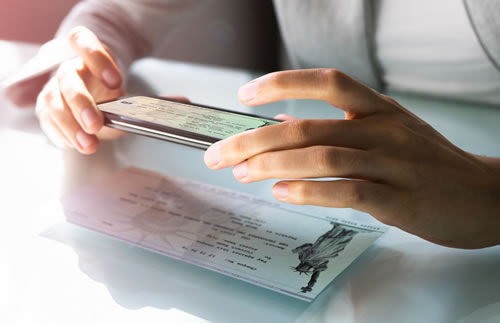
291 134
100 63
78 97
330 85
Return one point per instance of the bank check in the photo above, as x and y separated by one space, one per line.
240 235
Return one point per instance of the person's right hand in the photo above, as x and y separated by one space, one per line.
67 107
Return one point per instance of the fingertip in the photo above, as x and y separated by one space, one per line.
92 120
78 36
112 78
92 149
89 151
248 92
212 157
280 191
95 56
87 144
240 172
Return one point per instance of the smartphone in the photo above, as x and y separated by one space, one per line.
183 123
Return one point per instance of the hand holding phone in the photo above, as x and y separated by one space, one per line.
184 123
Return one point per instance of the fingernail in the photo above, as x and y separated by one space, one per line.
240 170
90 118
84 139
280 190
248 91
212 155
111 78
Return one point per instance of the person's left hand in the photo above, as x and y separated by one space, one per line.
392 164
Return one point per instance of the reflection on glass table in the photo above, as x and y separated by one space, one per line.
52 271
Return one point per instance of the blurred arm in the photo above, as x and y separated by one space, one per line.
130 28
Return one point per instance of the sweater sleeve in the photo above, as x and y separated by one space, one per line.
130 28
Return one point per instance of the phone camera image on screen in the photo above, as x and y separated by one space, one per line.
190 124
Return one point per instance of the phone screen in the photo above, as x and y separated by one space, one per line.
203 121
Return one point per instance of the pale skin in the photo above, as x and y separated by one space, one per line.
67 108
393 165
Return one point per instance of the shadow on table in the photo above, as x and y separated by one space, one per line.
138 278
429 284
